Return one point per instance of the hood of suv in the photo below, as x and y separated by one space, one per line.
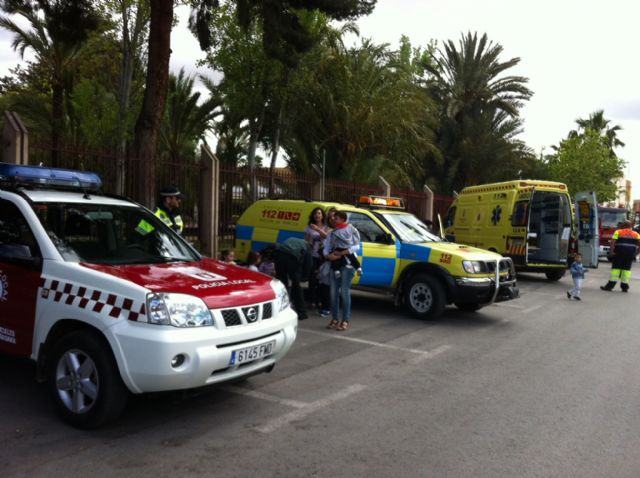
217 283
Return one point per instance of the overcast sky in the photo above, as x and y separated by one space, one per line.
579 56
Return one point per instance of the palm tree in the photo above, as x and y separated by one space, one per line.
57 38
185 121
469 83
600 125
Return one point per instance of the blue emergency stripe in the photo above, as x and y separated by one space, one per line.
259 245
244 233
377 271
283 235
414 252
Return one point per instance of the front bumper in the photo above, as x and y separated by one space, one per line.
482 291
144 352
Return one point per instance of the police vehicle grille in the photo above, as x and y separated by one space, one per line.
231 317
267 310
245 315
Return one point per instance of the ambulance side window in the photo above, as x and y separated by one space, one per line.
368 229
16 238
519 218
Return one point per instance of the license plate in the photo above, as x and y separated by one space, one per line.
251 353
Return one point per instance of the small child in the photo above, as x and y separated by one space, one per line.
253 261
577 274
266 265
228 256
343 237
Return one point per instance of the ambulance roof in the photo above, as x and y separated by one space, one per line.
517 184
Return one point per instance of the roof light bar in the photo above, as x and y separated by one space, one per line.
53 177
382 201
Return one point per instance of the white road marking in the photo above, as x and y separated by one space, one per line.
430 354
371 342
531 309
310 408
264 396
510 306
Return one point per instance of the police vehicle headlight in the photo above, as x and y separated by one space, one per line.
472 267
178 310
282 296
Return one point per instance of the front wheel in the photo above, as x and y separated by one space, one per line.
85 382
555 274
424 297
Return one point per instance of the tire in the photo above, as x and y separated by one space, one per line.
85 382
424 297
555 274
468 307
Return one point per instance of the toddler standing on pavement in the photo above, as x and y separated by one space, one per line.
577 274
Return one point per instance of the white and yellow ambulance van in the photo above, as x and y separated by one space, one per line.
530 221
398 254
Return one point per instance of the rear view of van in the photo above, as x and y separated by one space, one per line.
530 221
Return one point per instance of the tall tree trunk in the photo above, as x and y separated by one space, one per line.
255 130
57 119
276 147
155 96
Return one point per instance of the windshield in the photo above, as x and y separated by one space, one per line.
108 234
612 219
409 228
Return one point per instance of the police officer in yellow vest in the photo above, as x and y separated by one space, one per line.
168 208
625 244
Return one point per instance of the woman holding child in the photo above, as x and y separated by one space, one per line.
315 233
341 249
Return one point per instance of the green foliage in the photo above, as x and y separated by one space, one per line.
95 114
585 163
185 119
479 114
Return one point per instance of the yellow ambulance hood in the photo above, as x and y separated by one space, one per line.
466 252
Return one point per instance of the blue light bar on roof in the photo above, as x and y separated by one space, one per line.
43 176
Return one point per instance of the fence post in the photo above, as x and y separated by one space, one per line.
15 140
429 206
209 202
386 187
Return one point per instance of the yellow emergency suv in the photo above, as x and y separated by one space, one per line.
398 254
530 221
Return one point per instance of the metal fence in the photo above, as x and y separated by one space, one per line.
236 185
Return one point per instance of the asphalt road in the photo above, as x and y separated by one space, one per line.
537 387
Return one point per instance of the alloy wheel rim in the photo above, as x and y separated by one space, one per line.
77 381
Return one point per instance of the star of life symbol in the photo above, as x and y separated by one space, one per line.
4 286
495 215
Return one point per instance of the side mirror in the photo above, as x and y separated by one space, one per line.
450 237
389 239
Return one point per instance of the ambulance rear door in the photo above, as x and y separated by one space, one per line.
588 234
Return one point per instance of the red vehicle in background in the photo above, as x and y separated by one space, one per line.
610 219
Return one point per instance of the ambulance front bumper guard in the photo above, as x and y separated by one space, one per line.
487 290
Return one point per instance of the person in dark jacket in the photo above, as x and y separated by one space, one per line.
293 262
624 246
168 208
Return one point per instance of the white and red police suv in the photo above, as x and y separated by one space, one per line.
109 300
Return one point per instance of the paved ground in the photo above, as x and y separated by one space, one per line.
538 387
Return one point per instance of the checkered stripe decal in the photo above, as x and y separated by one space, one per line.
74 295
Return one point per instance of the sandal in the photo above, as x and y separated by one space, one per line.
333 324
344 325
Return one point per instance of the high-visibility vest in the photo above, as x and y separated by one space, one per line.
625 242
174 222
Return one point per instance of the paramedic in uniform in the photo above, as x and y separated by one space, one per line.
168 209
624 247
